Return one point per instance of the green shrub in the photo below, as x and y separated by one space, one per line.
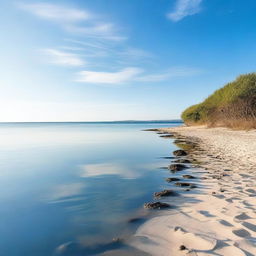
236 100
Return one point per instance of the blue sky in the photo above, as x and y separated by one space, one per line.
89 60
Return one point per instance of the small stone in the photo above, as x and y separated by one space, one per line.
165 193
167 136
177 167
183 247
187 176
172 179
183 161
179 152
183 184
156 205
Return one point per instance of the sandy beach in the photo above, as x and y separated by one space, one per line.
218 217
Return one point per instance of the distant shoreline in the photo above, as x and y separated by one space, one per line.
102 122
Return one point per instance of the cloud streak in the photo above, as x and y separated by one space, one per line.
63 58
184 8
119 77
169 74
133 74
56 12
75 21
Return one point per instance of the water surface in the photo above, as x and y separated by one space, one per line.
74 183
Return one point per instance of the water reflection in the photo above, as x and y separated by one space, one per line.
91 170
65 192
74 187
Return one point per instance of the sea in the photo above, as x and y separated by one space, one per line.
73 188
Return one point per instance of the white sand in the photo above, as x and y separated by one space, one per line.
219 217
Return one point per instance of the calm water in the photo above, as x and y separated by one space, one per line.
74 184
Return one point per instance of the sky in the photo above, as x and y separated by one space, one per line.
103 60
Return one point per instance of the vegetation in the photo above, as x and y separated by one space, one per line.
233 106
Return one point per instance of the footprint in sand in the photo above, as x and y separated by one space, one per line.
241 232
195 241
252 191
245 175
225 223
247 204
242 216
249 225
206 214
229 200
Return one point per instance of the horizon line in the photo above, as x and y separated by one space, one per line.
112 121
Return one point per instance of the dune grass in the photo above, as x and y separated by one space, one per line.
233 106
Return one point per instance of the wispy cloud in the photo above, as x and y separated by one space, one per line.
170 73
135 53
119 77
56 12
96 42
184 8
63 58
134 74
76 21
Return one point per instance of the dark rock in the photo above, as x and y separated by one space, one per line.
165 193
184 184
183 161
183 247
179 152
187 176
177 167
172 179
151 130
167 136
179 141
156 205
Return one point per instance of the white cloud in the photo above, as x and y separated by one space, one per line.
134 74
76 21
185 8
56 12
105 31
63 58
119 77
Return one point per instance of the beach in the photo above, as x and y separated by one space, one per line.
217 216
